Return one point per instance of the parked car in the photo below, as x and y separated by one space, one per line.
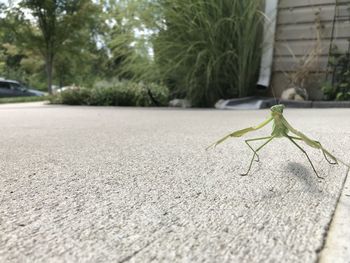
12 88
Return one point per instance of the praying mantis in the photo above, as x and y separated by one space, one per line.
281 128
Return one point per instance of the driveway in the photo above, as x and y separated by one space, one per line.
109 184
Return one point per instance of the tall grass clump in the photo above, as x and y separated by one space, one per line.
209 49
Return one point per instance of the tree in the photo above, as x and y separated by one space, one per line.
57 25
13 54
129 38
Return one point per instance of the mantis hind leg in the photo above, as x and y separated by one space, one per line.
256 151
255 139
325 156
319 146
307 156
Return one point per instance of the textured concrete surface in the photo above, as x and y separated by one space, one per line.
337 247
80 184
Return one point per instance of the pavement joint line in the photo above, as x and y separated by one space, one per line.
336 245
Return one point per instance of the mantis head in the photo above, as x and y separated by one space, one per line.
277 108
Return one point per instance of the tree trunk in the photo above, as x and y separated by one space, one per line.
49 66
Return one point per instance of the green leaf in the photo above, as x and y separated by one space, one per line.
339 96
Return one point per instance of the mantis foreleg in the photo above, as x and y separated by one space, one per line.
255 139
312 143
255 152
307 156
240 133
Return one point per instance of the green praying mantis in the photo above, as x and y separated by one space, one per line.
281 128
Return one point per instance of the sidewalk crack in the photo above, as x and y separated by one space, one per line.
328 226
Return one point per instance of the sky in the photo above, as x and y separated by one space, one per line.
7 1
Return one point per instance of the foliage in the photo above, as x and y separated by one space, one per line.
120 93
55 30
210 49
339 89
24 66
129 39
17 61
204 50
23 99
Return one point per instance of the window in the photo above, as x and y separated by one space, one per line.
15 86
4 85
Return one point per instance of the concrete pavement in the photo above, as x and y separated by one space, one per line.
109 184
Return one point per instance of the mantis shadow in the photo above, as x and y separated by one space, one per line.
303 174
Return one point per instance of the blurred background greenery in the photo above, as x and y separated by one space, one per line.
194 49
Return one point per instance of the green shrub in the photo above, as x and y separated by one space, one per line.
210 49
78 96
339 88
123 93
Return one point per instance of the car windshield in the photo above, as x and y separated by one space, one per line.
15 86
